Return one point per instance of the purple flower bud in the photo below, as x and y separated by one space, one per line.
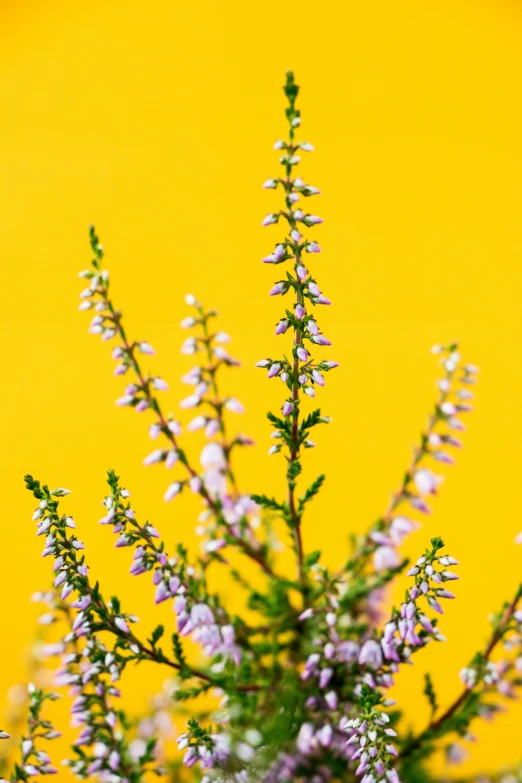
446 560
302 354
66 592
155 456
172 491
302 272
288 407
296 235
371 654
279 288
234 405
270 219
282 326
162 593
274 370
300 312
320 339
324 735
174 584
60 579
435 605
325 676
120 623
442 593
318 378
110 718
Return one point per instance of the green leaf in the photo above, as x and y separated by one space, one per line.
429 692
312 558
311 420
178 650
277 422
266 502
156 635
312 491
294 469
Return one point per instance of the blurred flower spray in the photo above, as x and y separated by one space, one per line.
299 692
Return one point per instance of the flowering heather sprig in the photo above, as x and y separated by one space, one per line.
35 761
375 659
482 678
173 577
202 747
301 373
420 482
296 693
71 570
409 628
101 747
372 737
141 395
203 377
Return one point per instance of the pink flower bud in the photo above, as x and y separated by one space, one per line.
120 623
320 339
270 219
173 490
234 405
282 326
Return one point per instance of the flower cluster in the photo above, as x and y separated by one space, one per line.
173 577
420 481
35 761
295 689
371 736
409 628
229 514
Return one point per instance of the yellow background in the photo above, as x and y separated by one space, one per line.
155 121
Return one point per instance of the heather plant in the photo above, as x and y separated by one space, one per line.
299 682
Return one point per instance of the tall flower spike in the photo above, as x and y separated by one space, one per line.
420 482
302 373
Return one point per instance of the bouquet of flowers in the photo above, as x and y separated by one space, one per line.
299 683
